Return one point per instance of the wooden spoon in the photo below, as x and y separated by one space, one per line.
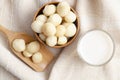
47 55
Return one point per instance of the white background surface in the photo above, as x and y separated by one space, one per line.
105 14
5 75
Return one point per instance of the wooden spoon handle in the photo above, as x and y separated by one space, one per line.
7 32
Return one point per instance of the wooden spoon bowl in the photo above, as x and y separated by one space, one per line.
47 55
77 23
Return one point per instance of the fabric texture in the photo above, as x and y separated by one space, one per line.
17 15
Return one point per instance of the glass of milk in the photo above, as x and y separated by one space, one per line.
96 47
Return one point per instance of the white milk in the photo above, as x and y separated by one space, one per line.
95 47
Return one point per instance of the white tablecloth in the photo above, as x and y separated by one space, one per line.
17 15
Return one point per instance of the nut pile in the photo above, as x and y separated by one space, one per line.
56 24
30 50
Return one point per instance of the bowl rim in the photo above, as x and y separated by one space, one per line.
72 38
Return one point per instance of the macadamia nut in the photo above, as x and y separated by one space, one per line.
19 45
49 10
62 40
33 47
70 29
63 8
37 57
60 30
49 29
37 26
41 18
27 54
55 19
42 36
70 17
51 40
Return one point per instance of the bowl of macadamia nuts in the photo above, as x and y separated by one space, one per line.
56 24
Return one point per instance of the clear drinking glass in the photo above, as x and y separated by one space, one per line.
80 52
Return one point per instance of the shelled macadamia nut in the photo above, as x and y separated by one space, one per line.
62 40
55 19
33 47
27 54
42 36
49 29
51 40
70 29
19 45
70 17
41 18
49 10
63 8
37 57
37 26
60 30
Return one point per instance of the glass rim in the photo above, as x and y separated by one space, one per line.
113 51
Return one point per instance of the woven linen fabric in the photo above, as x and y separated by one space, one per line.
17 15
